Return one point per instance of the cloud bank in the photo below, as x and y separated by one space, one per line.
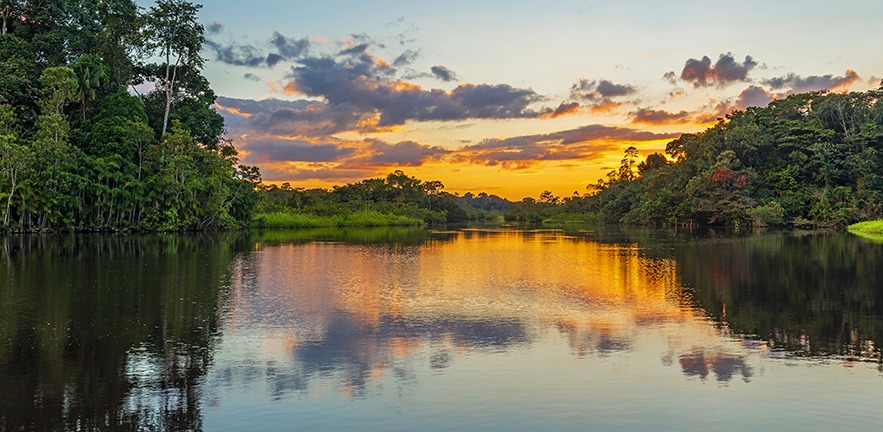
726 70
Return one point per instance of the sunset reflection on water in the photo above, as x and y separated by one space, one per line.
359 312
607 328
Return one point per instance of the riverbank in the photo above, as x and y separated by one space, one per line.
869 229
359 219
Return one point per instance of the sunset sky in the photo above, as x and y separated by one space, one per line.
510 97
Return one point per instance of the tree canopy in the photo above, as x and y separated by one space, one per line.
79 152
808 160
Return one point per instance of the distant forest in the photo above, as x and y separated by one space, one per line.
79 152
808 160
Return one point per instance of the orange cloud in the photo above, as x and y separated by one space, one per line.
233 111
847 80
563 110
605 106
584 144
660 117
792 83
287 88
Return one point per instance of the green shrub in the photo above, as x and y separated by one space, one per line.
768 214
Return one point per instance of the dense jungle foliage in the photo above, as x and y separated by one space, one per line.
812 159
397 199
81 149
106 123
809 160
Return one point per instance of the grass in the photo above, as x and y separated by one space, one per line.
868 229
297 220
570 218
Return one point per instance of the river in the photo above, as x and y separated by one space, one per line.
582 328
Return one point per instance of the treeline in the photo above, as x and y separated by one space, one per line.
809 160
79 152
396 194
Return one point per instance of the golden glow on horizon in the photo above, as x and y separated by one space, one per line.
543 274
562 178
397 301
562 169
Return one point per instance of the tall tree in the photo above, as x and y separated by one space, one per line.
51 147
18 72
117 40
91 73
8 9
15 159
172 31
59 31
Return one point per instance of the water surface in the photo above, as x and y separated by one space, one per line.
474 329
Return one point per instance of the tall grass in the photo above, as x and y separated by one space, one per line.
870 229
360 219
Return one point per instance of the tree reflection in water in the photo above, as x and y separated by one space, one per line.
114 332
108 332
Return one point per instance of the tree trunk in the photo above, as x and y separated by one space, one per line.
9 201
170 87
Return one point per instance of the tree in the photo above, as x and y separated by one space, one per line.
111 167
548 198
59 87
627 165
18 72
91 73
59 31
654 161
52 152
15 159
117 40
432 188
172 31
8 10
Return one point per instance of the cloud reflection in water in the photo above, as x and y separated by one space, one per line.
357 315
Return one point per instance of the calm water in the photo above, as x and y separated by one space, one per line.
404 330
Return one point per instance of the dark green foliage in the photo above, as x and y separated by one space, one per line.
77 152
811 159
92 74
397 194
485 202
18 78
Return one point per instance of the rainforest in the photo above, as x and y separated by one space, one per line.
108 124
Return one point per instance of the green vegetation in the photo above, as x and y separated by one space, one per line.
809 160
869 229
367 219
359 235
396 200
78 152
573 218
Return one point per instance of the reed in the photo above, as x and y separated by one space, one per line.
359 219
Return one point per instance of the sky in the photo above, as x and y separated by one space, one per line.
510 97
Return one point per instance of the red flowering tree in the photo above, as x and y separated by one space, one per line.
722 193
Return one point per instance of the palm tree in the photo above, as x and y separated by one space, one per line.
88 79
